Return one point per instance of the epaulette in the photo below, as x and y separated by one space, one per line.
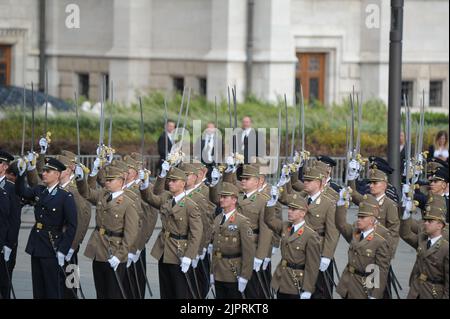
267 196
379 235
306 226
8 181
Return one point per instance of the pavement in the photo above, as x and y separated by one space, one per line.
402 264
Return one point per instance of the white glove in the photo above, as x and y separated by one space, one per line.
109 156
21 166
344 196
285 177
230 164
60 257
408 207
324 263
211 279
185 263
114 262
370 297
165 167
6 253
257 264
195 261
99 150
130 259
406 188
31 159
242 283
79 173
353 170
215 177
210 249
274 250
69 254
141 175
305 295
274 193
44 145
203 255
265 263
95 167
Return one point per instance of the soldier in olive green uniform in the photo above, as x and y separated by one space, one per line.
252 205
180 237
233 247
296 275
365 275
429 277
115 231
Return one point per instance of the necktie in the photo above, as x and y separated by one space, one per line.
292 229
45 193
109 198
361 237
174 202
309 200
428 243
245 196
223 219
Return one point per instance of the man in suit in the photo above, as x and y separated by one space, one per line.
210 146
247 141
165 141
54 231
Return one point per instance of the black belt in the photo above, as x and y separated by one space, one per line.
220 255
355 271
107 232
178 237
40 226
284 263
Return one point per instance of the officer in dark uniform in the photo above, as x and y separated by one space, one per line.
8 247
52 235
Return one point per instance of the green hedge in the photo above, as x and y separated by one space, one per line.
325 127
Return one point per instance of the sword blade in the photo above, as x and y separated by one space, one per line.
303 116
32 117
78 123
22 149
111 114
46 102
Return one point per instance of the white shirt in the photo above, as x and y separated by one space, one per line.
169 135
179 197
251 193
188 191
367 232
52 188
199 184
245 133
380 197
2 178
441 152
117 194
314 197
297 226
67 183
228 215
434 240
129 184
209 145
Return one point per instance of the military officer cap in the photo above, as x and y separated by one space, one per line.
189 169
250 171
377 175
137 157
54 164
437 161
313 173
441 174
321 166
381 164
176 174
121 165
113 172
5 157
70 155
327 160
435 209
369 206
229 189
131 162
198 166
64 159
296 201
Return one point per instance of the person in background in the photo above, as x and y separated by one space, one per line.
440 147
